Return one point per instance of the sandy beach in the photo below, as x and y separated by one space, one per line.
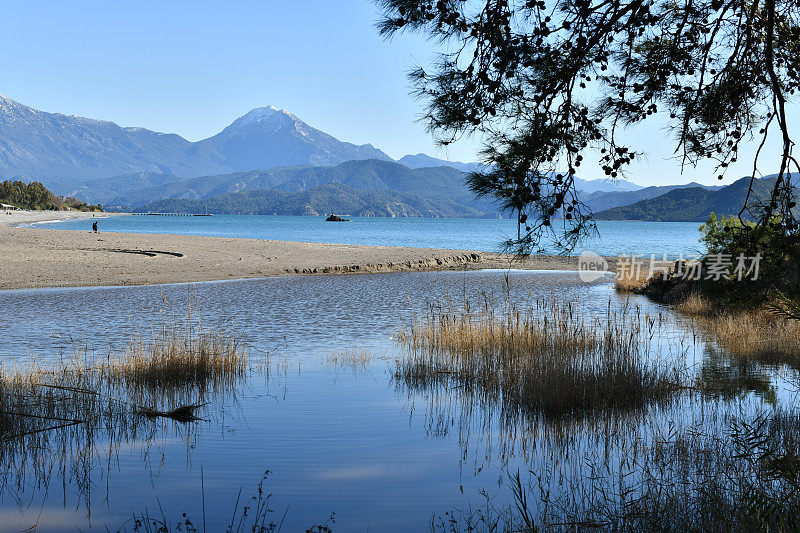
13 218
44 257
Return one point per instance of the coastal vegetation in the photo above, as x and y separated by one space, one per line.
734 471
751 316
169 374
36 196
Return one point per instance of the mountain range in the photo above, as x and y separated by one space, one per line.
388 189
270 161
694 203
60 150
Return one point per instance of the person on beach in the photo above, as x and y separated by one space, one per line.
94 226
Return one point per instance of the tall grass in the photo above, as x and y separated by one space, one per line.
744 478
633 280
52 416
167 370
548 358
759 334
178 354
694 304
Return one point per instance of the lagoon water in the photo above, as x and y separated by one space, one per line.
486 235
351 441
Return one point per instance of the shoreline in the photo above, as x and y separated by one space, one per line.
43 257
16 218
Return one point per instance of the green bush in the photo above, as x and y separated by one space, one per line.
779 250
35 196
32 195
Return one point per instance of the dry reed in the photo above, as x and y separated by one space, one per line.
694 304
634 280
759 334
178 355
52 417
163 376
548 359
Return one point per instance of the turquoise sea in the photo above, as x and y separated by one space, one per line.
485 235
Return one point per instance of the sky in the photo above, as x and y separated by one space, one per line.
192 68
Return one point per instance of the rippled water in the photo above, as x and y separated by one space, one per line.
353 442
485 235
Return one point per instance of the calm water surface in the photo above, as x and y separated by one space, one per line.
350 441
485 235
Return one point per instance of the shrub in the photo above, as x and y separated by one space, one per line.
779 251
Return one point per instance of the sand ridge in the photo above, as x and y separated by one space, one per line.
45 257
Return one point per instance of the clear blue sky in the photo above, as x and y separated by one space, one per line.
192 67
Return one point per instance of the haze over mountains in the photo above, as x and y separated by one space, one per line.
388 189
269 161
695 204
61 150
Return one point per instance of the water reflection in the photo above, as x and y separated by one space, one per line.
379 451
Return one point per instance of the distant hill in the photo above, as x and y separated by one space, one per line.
693 204
104 189
605 185
330 198
442 186
422 161
61 150
435 191
435 182
602 200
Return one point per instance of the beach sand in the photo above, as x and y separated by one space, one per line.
44 257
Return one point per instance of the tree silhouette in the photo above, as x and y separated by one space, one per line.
542 82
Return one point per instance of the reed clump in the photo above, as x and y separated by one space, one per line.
760 333
169 375
695 304
632 280
757 334
548 358
179 355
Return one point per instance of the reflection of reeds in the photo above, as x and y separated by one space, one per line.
256 516
170 371
355 358
548 358
745 477
53 416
